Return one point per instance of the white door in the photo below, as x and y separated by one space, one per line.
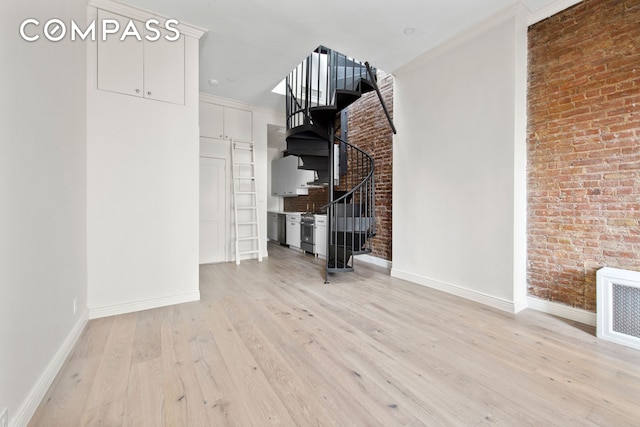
213 220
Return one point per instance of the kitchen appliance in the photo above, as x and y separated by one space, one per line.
307 223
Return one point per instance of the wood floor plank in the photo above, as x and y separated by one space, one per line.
184 403
271 344
145 397
112 377
252 385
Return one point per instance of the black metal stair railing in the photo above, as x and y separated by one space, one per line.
316 80
351 216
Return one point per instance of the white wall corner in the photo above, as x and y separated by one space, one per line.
40 388
520 162
562 310
491 301
133 306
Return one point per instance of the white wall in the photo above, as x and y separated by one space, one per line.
458 180
43 265
261 118
142 162
274 203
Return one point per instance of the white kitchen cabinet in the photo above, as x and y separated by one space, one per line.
287 180
142 68
164 69
293 230
221 122
320 236
272 226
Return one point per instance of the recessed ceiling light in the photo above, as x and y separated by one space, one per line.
408 31
213 82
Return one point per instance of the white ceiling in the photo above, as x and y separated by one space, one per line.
253 44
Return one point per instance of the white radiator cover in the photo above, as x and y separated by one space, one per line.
618 306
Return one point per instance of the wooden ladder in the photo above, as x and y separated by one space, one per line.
245 200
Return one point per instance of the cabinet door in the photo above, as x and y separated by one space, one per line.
320 240
120 63
238 124
211 120
213 220
277 178
293 232
164 69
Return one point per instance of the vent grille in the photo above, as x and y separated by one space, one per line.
626 310
619 306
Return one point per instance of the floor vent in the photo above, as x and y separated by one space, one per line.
618 293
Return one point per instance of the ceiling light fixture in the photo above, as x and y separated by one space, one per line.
213 82
408 31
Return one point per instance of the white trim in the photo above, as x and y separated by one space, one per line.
227 102
550 10
491 301
375 261
37 393
606 278
562 310
130 307
142 15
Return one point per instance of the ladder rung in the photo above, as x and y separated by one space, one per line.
238 144
243 163
249 252
248 223
246 192
245 177
246 207
244 148
244 239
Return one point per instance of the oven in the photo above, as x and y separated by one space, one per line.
307 223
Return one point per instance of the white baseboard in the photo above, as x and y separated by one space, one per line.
130 307
561 310
375 261
491 301
37 393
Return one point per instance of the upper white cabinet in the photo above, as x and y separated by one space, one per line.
221 122
287 180
143 68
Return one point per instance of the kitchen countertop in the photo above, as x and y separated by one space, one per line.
294 213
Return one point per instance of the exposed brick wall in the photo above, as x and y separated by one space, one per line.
317 198
368 130
583 148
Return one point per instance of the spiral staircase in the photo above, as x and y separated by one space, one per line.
317 90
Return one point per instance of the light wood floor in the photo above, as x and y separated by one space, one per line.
270 344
